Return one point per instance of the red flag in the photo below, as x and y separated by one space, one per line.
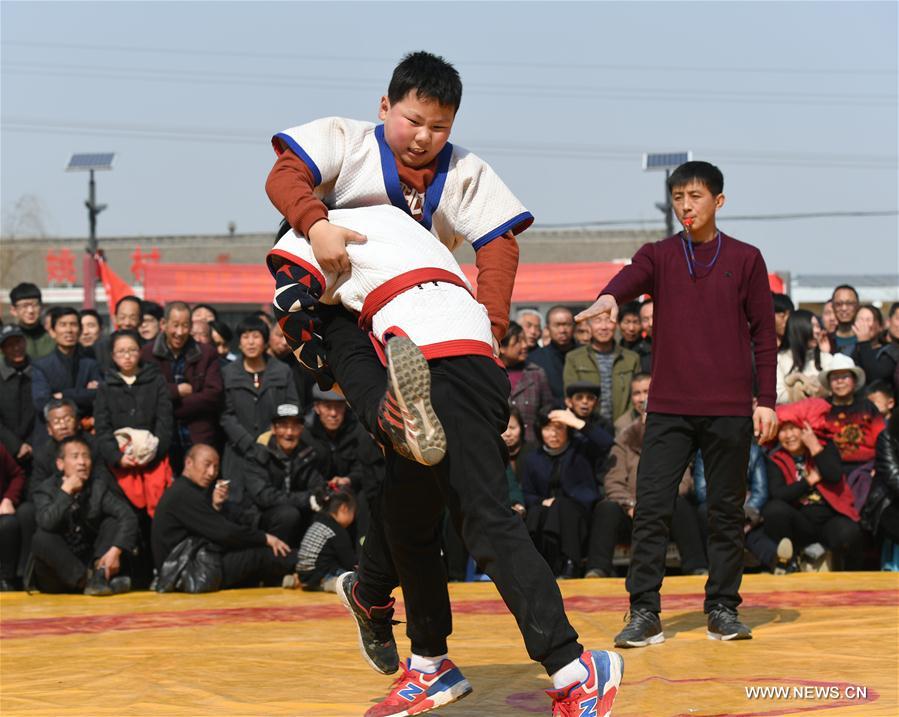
115 286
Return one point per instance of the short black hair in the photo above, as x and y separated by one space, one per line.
844 287
782 303
130 297
55 403
334 499
57 312
513 331
631 308
68 440
24 290
894 307
429 76
222 329
175 306
252 323
124 334
702 172
151 308
640 376
880 386
91 312
558 307
214 313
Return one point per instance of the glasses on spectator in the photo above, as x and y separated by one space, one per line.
845 303
25 305
62 421
125 352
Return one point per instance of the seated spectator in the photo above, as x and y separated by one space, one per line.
880 514
530 387
639 396
613 517
809 498
882 395
194 379
128 315
12 488
845 306
189 517
91 330
559 485
581 398
61 418
221 335
513 437
605 363
25 304
254 387
327 548
632 334
281 486
133 422
85 528
65 373
551 358
783 309
874 353
800 359
17 415
532 327
339 440
582 333
151 315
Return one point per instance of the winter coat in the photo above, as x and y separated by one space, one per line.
248 413
145 404
577 469
785 484
49 375
885 486
17 414
345 453
12 477
531 394
551 359
200 412
786 393
580 365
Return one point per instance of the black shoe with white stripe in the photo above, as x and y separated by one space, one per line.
724 624
643 628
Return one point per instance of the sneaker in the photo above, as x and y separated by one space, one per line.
596 573
643 628
784 562
725 625
415 692
406 415
595 695
375 626
120 584
97 584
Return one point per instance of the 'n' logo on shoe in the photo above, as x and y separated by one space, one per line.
411 691
588 707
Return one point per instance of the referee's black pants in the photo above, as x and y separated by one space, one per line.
403 545
668 445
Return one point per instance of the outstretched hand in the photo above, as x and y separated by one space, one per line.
605 304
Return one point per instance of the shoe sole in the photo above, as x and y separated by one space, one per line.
410 379
725 638
654 640
345 599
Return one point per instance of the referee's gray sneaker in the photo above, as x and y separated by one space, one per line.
724 624
643 628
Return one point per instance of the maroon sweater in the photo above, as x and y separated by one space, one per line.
704 330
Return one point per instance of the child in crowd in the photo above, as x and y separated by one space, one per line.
327 549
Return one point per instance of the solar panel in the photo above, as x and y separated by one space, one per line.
90 160
665 160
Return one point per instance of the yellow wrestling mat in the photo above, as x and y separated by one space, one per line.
824 643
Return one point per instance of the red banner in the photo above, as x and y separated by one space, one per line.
115 286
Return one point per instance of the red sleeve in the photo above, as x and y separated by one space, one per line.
760 311
634 279
290 187
13 476
497 262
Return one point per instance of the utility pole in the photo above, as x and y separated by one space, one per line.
667 161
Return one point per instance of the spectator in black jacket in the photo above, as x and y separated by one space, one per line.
128 314
65 373
61 417
338 439
187 510
551 358
25 303
327 549
12 487
255 385
85 528
880 514
282 488
16 407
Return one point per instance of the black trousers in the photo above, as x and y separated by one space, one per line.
815 523
668 445
559 531
286 522
10 545
403 544
889 523
252 566
57 569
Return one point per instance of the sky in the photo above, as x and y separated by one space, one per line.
796 102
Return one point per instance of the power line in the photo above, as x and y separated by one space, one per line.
589 66
726 218
537 91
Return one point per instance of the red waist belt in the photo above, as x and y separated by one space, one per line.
390 289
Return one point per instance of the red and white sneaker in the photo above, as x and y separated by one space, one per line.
415 692
594 696
406 415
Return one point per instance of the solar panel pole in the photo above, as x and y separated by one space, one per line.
666 161
91 163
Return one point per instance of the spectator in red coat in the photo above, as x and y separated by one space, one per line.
194 379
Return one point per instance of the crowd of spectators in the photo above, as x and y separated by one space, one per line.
176 451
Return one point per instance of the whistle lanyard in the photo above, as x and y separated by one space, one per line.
690 256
